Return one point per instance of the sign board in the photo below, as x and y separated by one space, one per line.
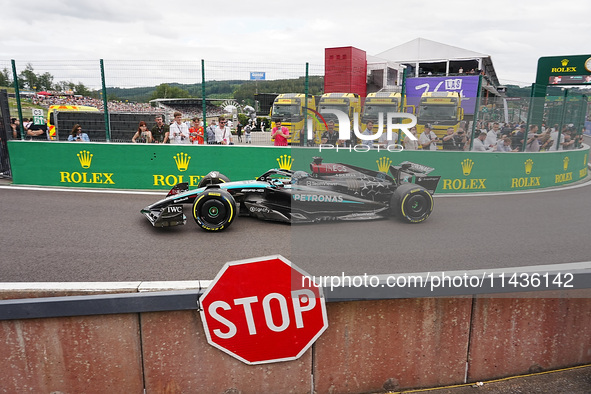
257 75
465 86
564 70
263 310
38 118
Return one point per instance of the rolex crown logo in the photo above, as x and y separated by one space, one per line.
182 161
564 62
384 164
85 158
285 162
585 160
565 162
467 165
529 164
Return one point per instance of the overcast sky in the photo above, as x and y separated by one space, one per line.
515 33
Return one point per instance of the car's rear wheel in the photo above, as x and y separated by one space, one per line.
214 210
412 203
213 178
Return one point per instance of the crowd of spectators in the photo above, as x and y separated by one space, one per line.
113 105
502 137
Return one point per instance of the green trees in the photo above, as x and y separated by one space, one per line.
164 90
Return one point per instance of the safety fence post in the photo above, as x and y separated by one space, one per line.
18 99
105 103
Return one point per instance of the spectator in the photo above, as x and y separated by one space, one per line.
428 139
210 131
223 135
37 132
480 144
492 135
160 131
330 136
507 129
142 135
15 127
280 133
196 132
504 145
569 141
517 139
239 131
411 144
179 132
546 140
368 131
448 142
247 131
77 135
533 141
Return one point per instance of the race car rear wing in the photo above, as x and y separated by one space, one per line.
415 173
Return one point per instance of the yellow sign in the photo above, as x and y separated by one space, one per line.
285 162
182 161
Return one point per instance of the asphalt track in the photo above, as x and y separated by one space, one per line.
49 235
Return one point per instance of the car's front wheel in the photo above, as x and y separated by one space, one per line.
412 203
214 210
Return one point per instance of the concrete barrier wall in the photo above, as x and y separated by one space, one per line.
369 346
148 166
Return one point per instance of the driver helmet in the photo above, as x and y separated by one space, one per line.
298 175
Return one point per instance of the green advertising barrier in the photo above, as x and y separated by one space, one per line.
148 166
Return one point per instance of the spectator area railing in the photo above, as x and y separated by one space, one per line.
159 167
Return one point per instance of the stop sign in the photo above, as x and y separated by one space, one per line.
263 310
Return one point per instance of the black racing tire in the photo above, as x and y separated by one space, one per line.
214 210
213 178
411 203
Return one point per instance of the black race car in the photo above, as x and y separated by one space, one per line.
331 191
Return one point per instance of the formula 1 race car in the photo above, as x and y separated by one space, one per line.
332 191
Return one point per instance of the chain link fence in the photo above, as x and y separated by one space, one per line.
136 90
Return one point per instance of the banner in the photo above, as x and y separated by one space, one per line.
466 86
160 167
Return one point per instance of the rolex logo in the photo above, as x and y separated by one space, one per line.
467 165
585 160
564 62
529 164
285 162
85 158
565 162
182 161
384 164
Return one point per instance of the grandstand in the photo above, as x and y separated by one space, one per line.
189 107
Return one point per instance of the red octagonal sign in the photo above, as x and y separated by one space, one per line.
263 310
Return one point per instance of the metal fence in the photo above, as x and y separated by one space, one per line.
208 90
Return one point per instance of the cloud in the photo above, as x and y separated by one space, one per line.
515 34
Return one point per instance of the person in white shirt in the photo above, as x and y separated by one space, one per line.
223 135
492 135
179 131
479 143
428 139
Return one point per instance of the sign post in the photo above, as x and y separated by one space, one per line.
263 310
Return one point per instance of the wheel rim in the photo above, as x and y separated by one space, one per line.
417 206
214 211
